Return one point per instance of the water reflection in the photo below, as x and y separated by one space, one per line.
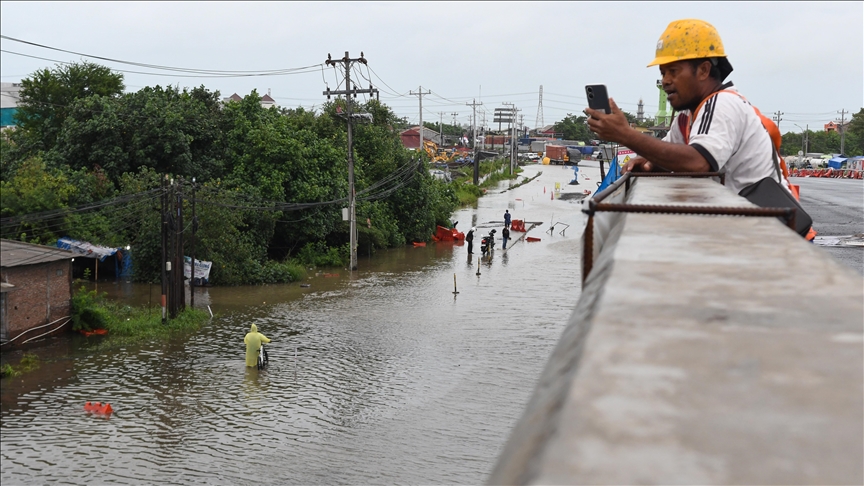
381 377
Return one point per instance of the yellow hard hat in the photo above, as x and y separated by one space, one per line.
691 39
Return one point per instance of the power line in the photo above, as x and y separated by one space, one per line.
269 72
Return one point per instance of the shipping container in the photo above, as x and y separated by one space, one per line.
557 154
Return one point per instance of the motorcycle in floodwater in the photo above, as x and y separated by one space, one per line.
487 244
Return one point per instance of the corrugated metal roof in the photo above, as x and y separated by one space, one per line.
16 253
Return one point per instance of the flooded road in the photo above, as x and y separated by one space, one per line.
382 377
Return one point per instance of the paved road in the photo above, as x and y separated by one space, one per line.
837 209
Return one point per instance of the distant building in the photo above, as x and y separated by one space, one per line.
411 137
35 291
547 131
835 126
266 100
10 95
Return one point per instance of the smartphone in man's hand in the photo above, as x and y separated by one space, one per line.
598 98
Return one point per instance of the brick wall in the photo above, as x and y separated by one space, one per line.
42 294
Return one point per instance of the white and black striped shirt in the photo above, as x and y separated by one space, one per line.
729 134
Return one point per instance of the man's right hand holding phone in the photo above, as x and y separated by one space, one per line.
612 127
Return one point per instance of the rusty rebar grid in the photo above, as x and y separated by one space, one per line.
596 205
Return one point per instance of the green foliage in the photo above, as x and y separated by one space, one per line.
139 323
453 130
320 255
47 96
817 142
271 183
574 127
34 188
89 311
164 129
28 363
855 135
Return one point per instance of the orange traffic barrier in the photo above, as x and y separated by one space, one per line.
517 225
94 331
531 238
97 407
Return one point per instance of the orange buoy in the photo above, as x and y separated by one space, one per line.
97 407
422 243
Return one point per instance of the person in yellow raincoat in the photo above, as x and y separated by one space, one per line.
254 340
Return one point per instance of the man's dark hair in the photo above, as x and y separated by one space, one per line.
715 71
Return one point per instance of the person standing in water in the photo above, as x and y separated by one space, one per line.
254 340
470 239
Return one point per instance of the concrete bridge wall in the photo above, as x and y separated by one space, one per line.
703 350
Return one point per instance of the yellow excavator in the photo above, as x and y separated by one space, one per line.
439 155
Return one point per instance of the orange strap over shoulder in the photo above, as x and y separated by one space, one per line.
767 123
773 133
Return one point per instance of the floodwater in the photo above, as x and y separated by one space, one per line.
382 377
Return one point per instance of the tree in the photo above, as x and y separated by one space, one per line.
174 132
35 189
574 128
47 95
855 135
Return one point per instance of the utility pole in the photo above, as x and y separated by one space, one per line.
164 263
420 94
194 230
179 291
483 132
350 92
777 119
474 104
441 128
511 128
842 131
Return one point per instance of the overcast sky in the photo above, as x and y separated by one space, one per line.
805 59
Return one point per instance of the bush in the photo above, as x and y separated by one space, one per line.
88 313
29 362
320 255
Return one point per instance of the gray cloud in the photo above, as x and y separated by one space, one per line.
802 58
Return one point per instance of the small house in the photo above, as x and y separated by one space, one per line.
35 291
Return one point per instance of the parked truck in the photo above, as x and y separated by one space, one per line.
557 154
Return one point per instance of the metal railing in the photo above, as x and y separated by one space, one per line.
596 205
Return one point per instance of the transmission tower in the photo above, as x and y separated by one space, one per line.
538 123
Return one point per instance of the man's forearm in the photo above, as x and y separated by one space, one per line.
671 156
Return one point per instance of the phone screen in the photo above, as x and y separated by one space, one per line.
598 98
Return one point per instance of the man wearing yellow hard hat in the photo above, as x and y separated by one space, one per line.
715 127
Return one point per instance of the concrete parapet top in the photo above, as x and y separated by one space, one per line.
703 350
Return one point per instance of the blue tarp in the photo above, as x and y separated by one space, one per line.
612 176
122 260
837 162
